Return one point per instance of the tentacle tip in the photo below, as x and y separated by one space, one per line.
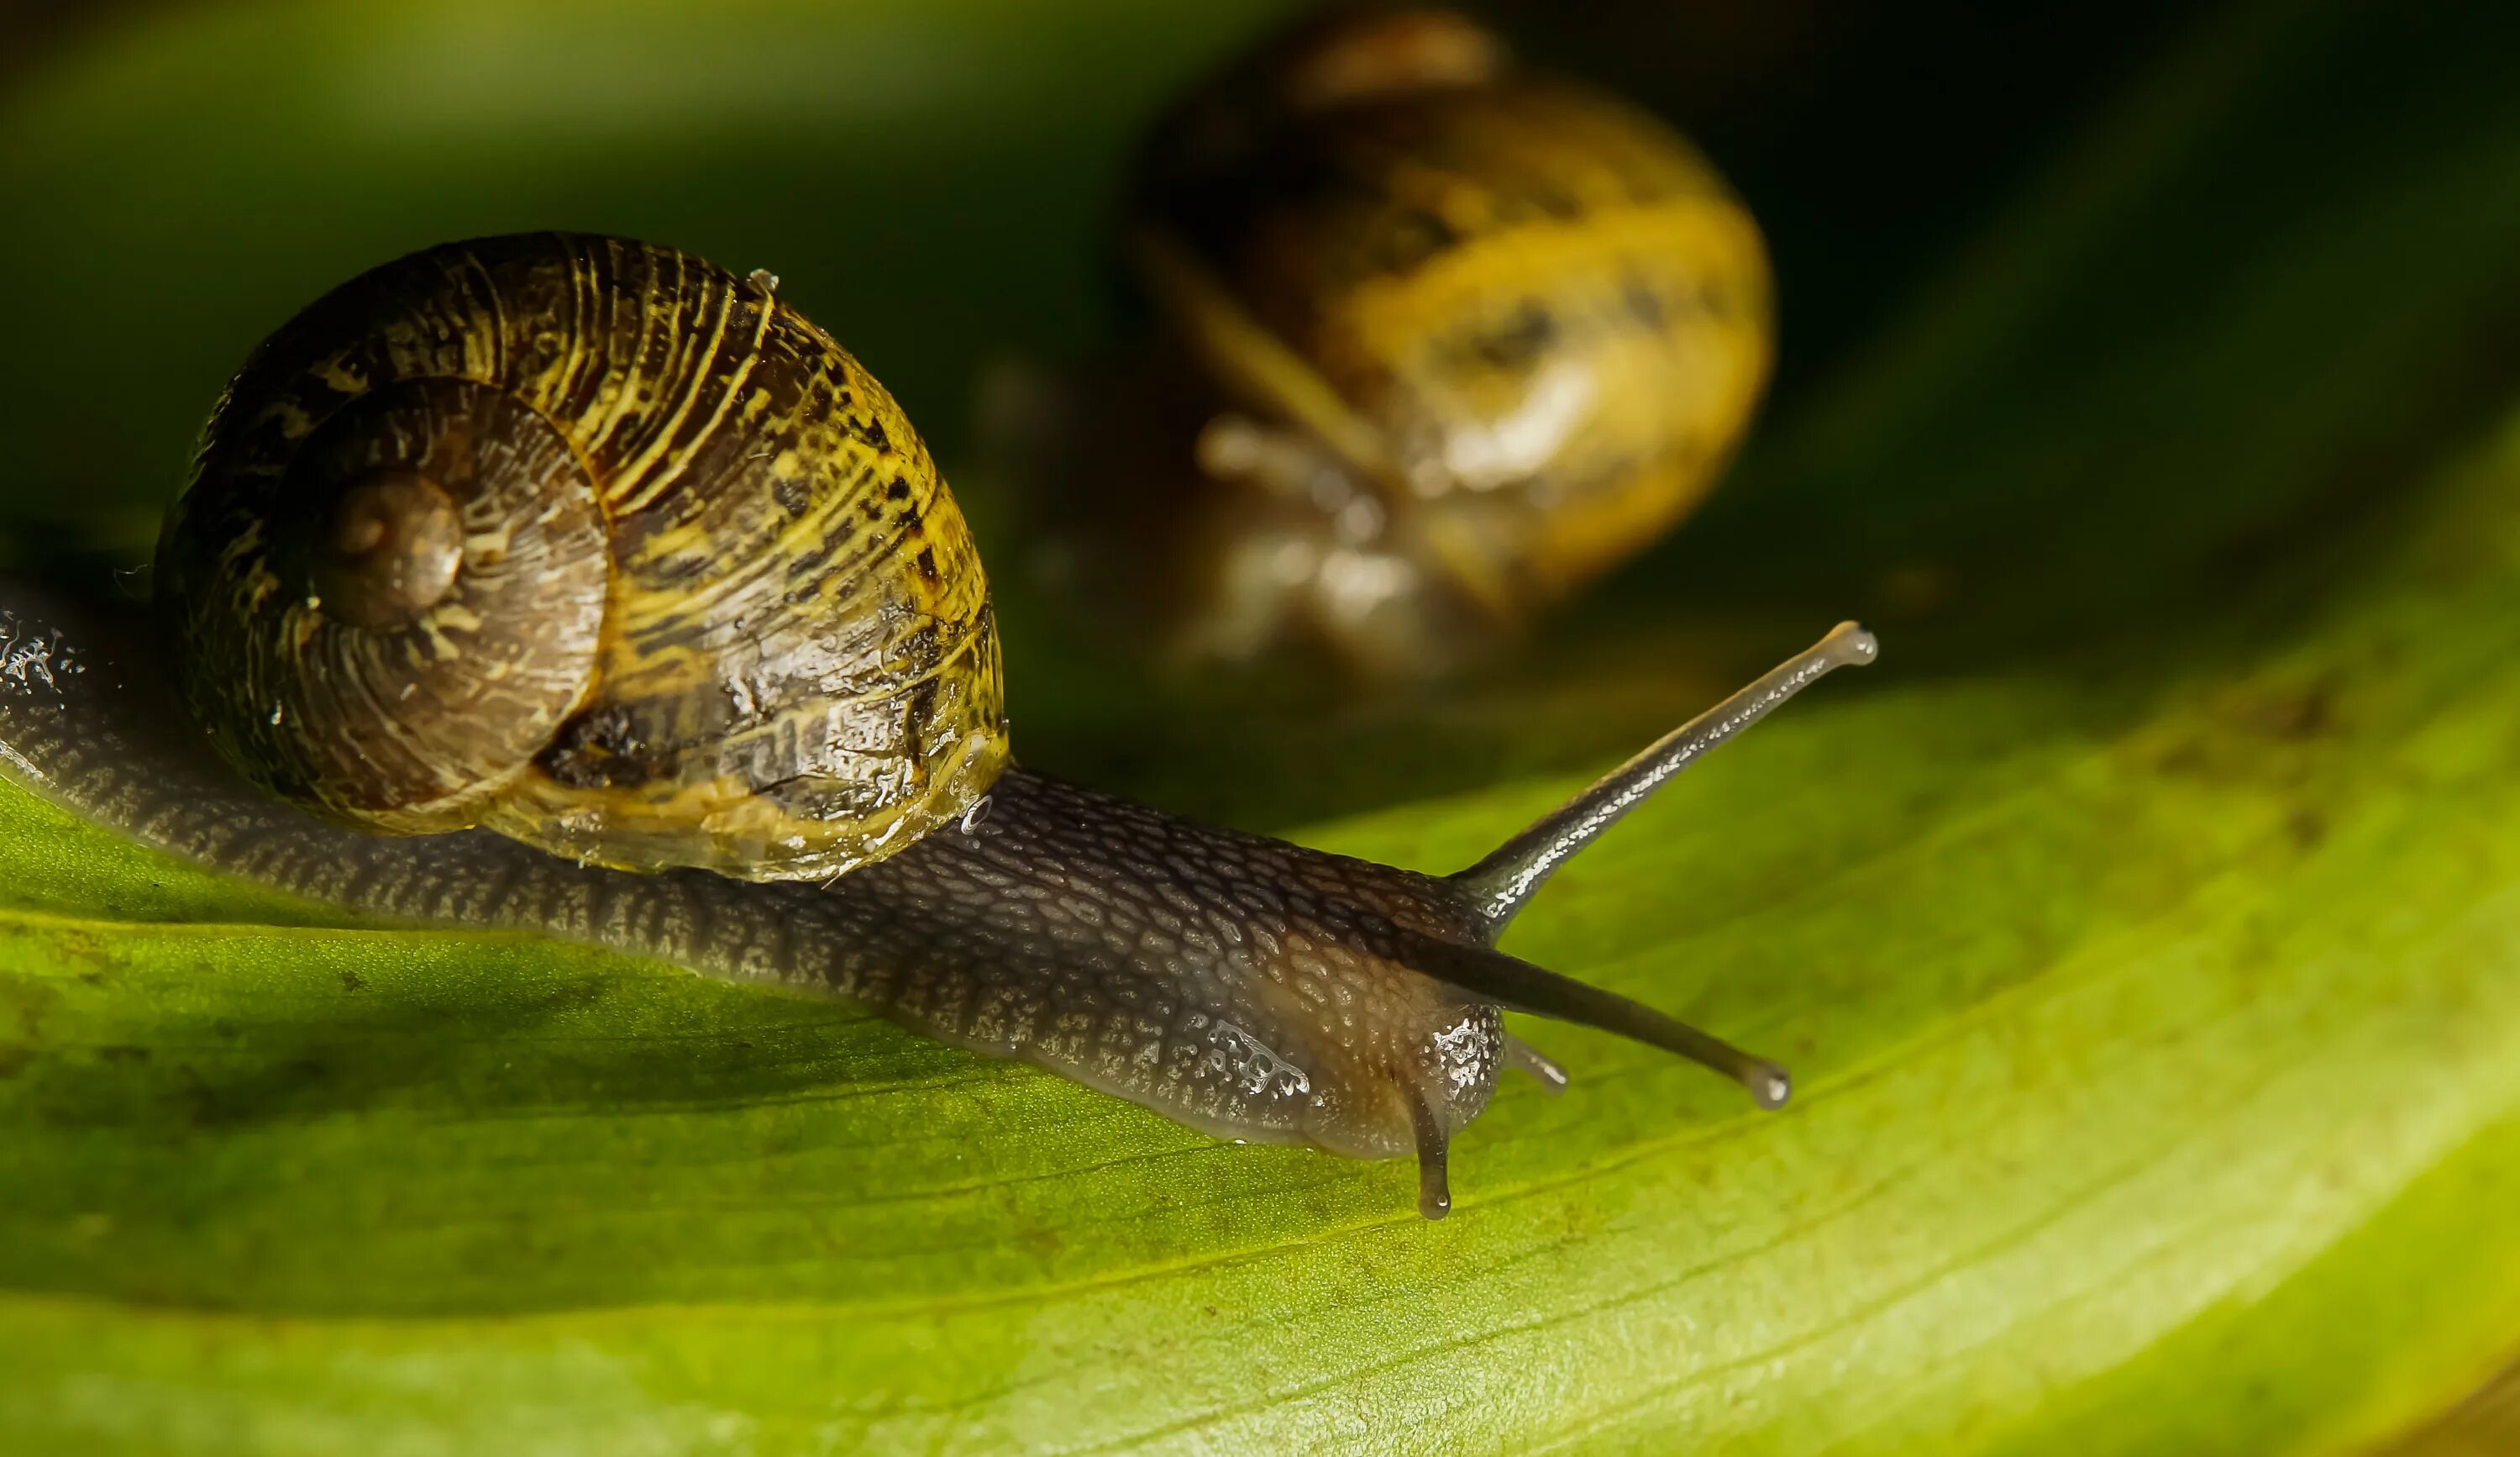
1847 643
1434 1188
1522 1056
1434 1191
1771 1085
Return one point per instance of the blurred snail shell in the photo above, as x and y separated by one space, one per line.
1481 334
591 544
594 545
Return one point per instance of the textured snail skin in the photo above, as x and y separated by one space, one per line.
1242 985
1494 332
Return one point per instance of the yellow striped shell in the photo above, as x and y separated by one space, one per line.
594 545
1482 333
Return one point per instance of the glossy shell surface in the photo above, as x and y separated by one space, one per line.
714 604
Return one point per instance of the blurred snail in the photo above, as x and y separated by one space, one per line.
1468 337
604 549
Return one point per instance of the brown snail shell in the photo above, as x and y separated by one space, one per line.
597 545
1472 336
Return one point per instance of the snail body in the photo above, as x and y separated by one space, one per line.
1480 333
357 512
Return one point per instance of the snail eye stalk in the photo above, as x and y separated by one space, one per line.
1503 884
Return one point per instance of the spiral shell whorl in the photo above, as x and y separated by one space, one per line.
415 725
714 605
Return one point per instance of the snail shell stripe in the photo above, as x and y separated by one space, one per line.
714 604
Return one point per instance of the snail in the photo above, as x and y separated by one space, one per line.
1469 337
577 585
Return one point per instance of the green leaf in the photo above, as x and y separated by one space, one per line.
2147 950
